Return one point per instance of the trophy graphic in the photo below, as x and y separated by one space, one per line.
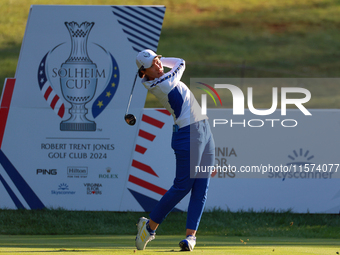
78 79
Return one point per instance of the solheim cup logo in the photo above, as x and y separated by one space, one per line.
78 79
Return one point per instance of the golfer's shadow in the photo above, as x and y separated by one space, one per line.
170 251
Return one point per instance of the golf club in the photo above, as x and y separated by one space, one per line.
130 118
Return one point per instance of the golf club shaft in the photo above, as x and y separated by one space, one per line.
128 106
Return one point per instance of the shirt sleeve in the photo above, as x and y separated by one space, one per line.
177 66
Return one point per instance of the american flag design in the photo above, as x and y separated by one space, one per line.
142 25
27 193
144 181
53 100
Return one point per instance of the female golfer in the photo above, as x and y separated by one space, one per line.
192 143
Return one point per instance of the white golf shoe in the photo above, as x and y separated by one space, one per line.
143 235
188 243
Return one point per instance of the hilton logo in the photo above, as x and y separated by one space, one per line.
77 172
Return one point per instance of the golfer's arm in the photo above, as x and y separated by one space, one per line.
177 66
171 62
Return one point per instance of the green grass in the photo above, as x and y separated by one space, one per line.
164 244
253 38
213 223
220 232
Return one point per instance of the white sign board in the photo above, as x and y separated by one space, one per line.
65 142
314 141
